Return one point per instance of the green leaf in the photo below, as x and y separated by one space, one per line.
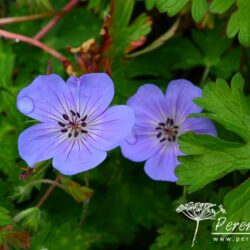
239 23
228 107
209 158
237 206
123 12
29 219
199 9
4 217
8 57
150 4
78 192
172 7
220 6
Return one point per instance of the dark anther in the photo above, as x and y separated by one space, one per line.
61 124
76 134
163 139
176 127
72 112
84 131
64 130
168 120
84 118
158 128
169 139
78 115
69 135
171 122
161 124
158 135
173 137
84 124
65 117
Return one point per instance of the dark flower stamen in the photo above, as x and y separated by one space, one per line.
75 124
84 118
167 131
158 135
61 124
65 117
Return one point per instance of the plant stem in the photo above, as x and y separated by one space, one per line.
84 211
196 231
36 43
159 41
44 181
48 192
204 76
20 19
56 19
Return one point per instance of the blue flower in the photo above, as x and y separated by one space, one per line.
77 127
159 121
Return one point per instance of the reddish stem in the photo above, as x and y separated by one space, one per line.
20 19
55 20
47 193
36 43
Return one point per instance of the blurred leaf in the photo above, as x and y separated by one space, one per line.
199 9
63 237
4 217
172 7
122 32
15 238
8 57
35 5
150 4
220 6
78 192
29 219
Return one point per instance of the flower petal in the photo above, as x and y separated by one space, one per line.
45 99
92 93
161 166
199 126
111 128
139 147
39 142
77 157
148 104
179 99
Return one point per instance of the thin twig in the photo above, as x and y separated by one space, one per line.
55 19
34 42
159 41
44 181
20 19
49 191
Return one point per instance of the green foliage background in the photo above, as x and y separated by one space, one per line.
116 206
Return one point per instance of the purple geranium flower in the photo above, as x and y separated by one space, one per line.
77 127
159 120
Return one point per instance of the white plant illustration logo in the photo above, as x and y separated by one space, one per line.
199 211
